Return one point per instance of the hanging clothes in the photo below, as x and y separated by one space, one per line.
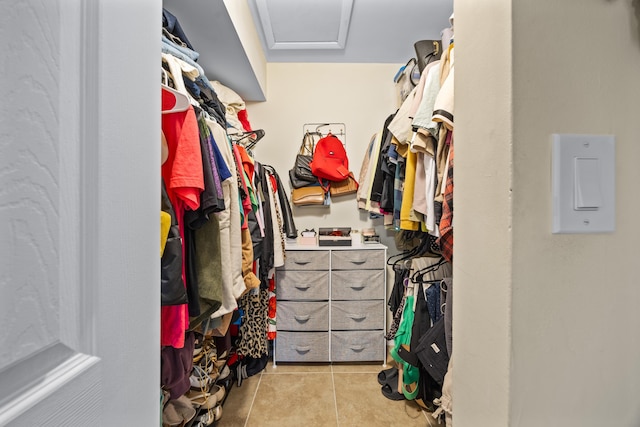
236 113
230 226
268 250
446 223
183 177
202 237
232 214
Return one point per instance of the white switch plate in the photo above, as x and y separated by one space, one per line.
567 217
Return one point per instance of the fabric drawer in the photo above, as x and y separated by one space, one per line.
302 316
350 346
306 260
302 346
302 285
350 315
357 284
357 260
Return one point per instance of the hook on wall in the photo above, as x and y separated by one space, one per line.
324 129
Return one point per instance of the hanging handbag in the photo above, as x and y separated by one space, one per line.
427 51
172 289
344 187
302 166
297 183
308 196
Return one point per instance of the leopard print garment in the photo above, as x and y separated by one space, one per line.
253 330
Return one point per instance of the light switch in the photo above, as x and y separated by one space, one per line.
583 183
587 194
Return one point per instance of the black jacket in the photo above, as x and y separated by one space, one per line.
287 216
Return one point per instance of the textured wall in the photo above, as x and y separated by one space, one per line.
29 179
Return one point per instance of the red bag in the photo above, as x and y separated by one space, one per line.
330 159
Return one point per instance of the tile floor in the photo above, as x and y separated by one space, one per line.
321 395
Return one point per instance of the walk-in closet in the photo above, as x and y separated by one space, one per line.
315 219
304 159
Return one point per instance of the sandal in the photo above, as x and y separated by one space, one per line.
387 375
218 392
199 379
206 352
209 417
390 393
224 373
201 399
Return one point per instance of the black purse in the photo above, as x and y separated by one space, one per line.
302 166
427 51
172 289
297 183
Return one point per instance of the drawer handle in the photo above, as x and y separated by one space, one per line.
357 348
302 349
301 262
358 262
302 287
302 319
358 317
357 287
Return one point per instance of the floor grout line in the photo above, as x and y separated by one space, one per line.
333 371
426 415
335 399
253 400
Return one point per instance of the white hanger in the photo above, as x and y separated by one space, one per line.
179 101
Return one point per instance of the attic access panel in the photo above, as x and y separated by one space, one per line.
305 24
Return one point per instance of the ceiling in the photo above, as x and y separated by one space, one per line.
343 31
374 31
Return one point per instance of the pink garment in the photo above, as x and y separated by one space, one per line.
174 319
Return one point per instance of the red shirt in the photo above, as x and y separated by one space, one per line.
183 177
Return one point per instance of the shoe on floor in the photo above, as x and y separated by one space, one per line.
170 417
224 373
185 408
200 379
178 412
391 394
209 417
218 391
201 399
387 376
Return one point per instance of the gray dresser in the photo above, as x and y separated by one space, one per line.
331 304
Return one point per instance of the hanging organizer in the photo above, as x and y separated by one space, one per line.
320 130
324 129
